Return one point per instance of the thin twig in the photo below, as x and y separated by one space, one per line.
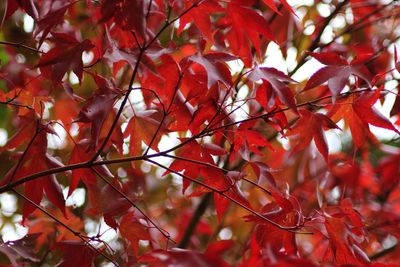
81 165
22 158
357 24
162 231
165 114
148 9
315 42
76 233
223 193
142 50
18 45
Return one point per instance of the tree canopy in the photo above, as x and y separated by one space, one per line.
199 133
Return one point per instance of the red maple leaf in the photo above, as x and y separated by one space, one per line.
242 39
20 248
338 71
133 231
36 159
201 17
309 127
285 211
272 5
99 106
53 17
82 152
75 253
214 67
358 112
121 12
275 80
344 226
65 56
13 5
142 128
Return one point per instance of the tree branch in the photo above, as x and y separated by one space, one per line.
201 208
315 42
223 193
21 45
383 252
75 166
142 50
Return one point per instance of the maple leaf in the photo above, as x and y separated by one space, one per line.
247 140
109 202
33 160
211 176
80 154
229 184
389 172
284 211
196 152
358 112
164 80
263 173
310 126
133 231
182 257
338 71
83 153
20 248
27 126
201 17
340 238
116 55
206 111
215 68
67 55
199 153
240 38
343 227
39 223
121 12
53 17
12 6
99 106
67 111
276 80
141 128
272 5
342 167
76 253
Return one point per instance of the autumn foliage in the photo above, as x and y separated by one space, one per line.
199 133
